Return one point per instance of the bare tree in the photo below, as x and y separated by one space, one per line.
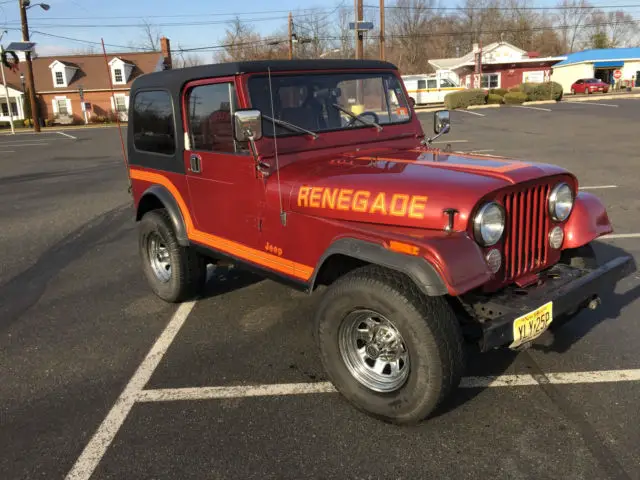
611 30
184 59
572 16
150 36
241 42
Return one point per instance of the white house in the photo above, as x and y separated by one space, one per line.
16 102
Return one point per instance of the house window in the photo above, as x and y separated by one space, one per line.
117 73
5 110
490 80
59 78
210 110
153 124
62 107
121 103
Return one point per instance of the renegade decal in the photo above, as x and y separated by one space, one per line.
363 201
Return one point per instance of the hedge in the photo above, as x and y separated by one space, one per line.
513 98
465 98
494 98
499 91
16 124
542 91
516 89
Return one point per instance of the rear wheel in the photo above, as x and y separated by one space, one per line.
175 273
391 351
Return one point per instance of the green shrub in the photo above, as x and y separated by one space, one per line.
492 98
465 98
516 89
543 91
499 91
4 125
514 98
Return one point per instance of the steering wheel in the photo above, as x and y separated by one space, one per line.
373 114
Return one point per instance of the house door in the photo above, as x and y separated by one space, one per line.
226 195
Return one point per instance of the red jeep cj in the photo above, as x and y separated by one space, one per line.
318 173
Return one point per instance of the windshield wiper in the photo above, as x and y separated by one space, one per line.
291 126
357 117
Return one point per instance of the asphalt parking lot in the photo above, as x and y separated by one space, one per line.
100 379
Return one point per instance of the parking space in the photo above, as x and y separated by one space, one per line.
103 380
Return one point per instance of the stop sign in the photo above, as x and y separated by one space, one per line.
617 74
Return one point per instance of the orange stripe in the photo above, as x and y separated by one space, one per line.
506 168
237 249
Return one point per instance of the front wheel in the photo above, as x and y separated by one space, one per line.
388 349
175 273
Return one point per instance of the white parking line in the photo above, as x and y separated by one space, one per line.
67 135
470 113
452 141
534 108
283 389
594 103
7 151
598 187
484 150
99 443
33 144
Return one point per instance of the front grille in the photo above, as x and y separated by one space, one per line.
526 246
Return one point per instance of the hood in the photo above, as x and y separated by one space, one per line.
405 188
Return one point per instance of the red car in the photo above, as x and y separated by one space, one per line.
589 85
317 174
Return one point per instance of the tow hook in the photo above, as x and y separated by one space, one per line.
594 303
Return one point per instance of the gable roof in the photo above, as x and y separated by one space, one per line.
91 70
601 54
448 63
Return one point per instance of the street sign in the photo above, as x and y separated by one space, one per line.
617 74
361 25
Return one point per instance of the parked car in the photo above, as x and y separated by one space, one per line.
589 85
418 250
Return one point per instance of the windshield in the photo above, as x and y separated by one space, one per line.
317 102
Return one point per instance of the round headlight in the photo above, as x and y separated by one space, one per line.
560 202
488 224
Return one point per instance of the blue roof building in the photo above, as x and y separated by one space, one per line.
599 63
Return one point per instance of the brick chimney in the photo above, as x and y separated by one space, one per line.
165 46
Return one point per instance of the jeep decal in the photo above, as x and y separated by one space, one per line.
364 201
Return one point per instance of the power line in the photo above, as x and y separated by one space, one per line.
138 25
436 34
88 42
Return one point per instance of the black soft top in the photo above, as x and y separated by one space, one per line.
175 79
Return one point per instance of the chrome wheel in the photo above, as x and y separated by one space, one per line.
373 351
159 257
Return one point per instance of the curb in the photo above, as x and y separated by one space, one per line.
429 109
62 127
600 98
478 107
540 102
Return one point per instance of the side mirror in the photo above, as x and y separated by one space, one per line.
248 125
441 122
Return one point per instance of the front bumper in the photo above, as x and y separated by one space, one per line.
569 289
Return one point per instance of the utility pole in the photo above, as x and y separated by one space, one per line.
290 36
32 87
359 10
381 29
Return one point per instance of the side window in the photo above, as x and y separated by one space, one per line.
432 84
210 114
153 127
422 84
446 83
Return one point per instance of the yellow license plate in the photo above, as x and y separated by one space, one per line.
531 325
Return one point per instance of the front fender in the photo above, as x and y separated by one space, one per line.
450 264
588 221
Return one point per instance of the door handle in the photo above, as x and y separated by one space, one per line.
195 163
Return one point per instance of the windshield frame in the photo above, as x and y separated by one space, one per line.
358 126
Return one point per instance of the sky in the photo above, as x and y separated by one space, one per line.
187 23
201 22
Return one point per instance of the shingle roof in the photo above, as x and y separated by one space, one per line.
91 73
601 54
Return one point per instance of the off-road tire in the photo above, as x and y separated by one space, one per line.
582 257
428 326
188 268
